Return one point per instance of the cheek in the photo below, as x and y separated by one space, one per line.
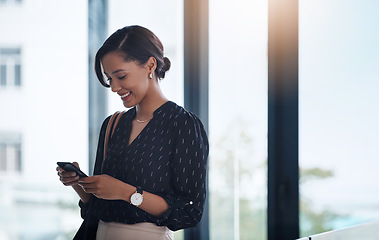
138 85
143 82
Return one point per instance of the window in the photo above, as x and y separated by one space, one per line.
49 116
10 67
238 119
10 153
338 117
123 13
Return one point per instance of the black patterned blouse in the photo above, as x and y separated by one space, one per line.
167 158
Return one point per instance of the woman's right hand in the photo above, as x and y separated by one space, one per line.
68 178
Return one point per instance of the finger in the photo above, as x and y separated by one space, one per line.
68 180
68 174
76 164
87 180
70 183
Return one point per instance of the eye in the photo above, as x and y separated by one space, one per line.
122 77
109 79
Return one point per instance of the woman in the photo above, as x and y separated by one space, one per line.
152 180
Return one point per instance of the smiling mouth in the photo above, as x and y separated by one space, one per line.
125 95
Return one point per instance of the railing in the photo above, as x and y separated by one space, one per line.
365 231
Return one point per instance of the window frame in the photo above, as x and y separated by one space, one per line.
196 83
283 123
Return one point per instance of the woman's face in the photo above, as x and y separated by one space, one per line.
128 79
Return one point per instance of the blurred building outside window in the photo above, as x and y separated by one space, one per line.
10 67
10 2
10 153
44 110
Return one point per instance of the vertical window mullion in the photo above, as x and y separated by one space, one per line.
283 170
97 94
196 83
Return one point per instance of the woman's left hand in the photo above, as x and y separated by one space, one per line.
104 186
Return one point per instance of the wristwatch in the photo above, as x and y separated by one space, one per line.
137 197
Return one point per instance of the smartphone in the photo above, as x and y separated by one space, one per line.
69 167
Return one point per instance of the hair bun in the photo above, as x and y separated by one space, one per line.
166 66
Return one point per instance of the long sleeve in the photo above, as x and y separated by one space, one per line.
189 167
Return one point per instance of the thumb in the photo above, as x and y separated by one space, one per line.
76 164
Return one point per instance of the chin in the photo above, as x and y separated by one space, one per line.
128 105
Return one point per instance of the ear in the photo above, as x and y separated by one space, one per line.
151 64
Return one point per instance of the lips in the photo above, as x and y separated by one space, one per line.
125 96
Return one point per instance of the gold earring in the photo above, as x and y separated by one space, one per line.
150 75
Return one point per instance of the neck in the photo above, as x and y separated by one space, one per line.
145 111
146 108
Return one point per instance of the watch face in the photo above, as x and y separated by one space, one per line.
136 199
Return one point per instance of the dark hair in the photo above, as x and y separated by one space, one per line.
136 43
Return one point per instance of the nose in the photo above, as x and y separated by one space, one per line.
115 87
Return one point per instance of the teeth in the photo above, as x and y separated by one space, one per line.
126 94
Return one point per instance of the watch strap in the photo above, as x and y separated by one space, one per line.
139 190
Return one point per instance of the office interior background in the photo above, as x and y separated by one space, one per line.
44 107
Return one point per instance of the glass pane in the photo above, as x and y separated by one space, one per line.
123 13
238 119
339 131
49 112
164 19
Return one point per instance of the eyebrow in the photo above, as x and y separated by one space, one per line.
119 70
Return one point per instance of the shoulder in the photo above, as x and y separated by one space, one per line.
183 117
126 113
171 112
188 123
105 122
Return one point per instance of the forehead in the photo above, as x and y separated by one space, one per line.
114 61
